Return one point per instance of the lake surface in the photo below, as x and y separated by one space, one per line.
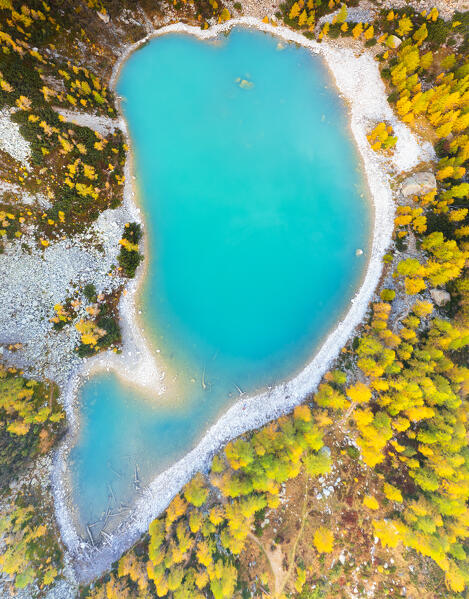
255 205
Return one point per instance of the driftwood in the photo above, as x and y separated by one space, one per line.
118 513
88 529
106 535
136 478
106 519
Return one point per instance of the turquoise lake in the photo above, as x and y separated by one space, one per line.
255 204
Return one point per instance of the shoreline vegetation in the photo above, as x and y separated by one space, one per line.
380 389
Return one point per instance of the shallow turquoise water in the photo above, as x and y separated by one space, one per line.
255 204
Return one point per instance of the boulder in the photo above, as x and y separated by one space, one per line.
393 41
104 17
418 184
440 297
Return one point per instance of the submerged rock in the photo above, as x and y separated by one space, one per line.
244 83
418 184
440 296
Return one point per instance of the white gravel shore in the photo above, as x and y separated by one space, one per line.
358 81
11 140
102 124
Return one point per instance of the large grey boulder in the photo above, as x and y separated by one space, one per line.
418 184
440 297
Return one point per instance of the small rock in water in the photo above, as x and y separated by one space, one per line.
359 252
244 83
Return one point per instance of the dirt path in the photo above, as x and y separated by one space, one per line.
275 557
291 560
268 555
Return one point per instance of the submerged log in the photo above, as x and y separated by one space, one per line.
136 478
112 494
240 391
119 474
204 386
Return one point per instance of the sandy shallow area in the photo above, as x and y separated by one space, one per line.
357 78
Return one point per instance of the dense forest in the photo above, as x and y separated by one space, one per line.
386 431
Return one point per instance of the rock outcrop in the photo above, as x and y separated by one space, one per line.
418 184
440 297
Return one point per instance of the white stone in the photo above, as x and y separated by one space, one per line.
393 41
103 17
11 140
440 296
418 184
